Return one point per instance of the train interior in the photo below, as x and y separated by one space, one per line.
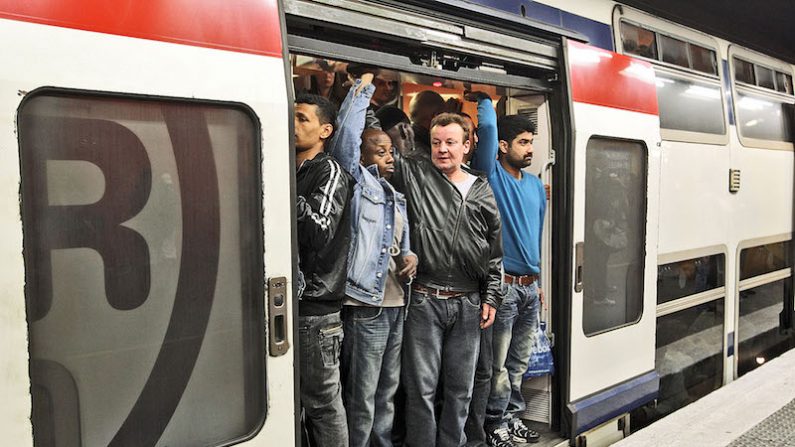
397 88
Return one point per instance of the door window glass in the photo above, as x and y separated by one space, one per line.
142 227
615 233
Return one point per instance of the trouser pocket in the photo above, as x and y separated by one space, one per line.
330 343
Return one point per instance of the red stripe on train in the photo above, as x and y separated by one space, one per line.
609 79
247 26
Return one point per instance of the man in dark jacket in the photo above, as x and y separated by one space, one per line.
423 108
456 234
323 190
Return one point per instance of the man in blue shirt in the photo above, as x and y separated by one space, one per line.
521 199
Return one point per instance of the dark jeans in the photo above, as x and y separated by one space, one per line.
515 331
441 340
371 372
476 435
320 340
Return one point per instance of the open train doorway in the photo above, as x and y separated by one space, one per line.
518 75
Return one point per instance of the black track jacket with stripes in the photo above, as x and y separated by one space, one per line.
324 233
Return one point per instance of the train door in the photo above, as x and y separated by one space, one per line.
146 229
611 342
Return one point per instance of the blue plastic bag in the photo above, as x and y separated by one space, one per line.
541 362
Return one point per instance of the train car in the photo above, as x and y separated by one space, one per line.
149 189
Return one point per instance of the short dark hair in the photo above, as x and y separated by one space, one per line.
510 126
326 110
445 119
390 116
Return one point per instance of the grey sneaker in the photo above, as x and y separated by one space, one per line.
499 437
520 433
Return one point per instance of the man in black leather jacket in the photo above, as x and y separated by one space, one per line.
323 189
456 234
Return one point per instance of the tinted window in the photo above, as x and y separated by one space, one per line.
674 51
758 334
689 105
688 359
683 278
763 259
763 117
638 41
783 83
615 224
744 71
143 271
764 77
703 59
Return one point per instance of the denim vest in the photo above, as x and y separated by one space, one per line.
374 205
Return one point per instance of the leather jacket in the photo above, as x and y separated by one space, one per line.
324 232
458 241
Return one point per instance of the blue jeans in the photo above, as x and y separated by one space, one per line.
320 339
476 435
515 329
371 372
441 341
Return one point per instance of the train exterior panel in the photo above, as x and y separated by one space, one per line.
141 287
224 68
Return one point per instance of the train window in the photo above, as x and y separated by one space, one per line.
689 104
683 278
784 83
688 359
764 259
765 77
143 264
763 117
674 51
758 334
703 59
615 226
638 41
744 71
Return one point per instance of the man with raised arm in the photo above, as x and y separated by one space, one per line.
323 190
380 261
522 202
455 231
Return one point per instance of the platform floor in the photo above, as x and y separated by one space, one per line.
757 409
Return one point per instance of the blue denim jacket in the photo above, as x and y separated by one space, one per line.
373 205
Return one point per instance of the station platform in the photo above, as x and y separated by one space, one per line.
758 409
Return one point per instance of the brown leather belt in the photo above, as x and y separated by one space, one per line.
524 280
438 293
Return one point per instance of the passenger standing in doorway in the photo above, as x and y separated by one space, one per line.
423 108
522 202
455 231
380 262
323 189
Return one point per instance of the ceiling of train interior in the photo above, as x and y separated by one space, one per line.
766 26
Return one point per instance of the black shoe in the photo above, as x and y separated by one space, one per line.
520 433
499 437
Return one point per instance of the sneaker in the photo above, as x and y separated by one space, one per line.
520 433
499 437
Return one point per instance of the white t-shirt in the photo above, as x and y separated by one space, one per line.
465 185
